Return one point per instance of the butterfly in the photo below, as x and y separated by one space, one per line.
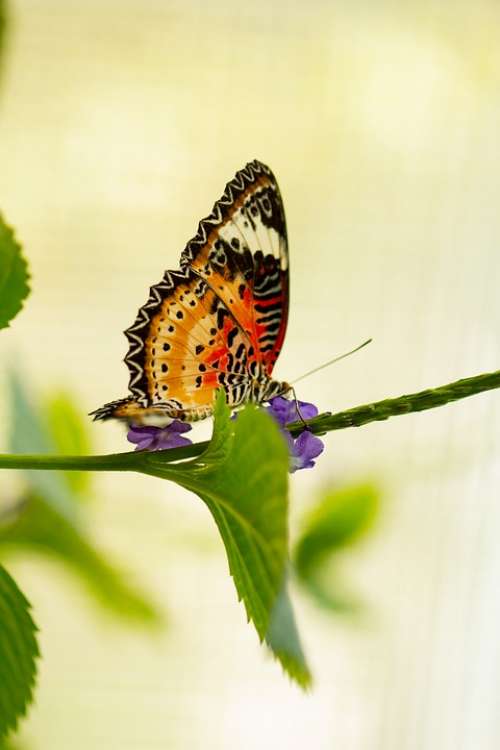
220 320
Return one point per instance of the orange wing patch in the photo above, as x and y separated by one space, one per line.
188 343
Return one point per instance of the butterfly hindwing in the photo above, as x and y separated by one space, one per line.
185 344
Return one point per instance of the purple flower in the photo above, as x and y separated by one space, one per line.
152 438
285 411
304 448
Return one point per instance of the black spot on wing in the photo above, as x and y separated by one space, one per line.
231 336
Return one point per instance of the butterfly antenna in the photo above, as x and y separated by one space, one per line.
301 418
331 361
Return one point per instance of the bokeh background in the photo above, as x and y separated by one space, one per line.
120 123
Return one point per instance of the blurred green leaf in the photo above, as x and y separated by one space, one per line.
37 526
3 28
340 518
13 276
9 744
3 20
68 433
29 434
18 654
243 478
50 518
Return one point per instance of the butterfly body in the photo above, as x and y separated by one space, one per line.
220 320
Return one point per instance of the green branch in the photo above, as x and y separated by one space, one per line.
393 407
129 461
356 417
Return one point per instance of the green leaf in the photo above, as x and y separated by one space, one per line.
3 28
38 526
69 436
13 276
29 434
243 477
18 654
339 520
50 519
10 744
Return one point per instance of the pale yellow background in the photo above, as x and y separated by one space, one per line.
120 123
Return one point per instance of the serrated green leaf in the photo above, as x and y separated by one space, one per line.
13 276
340 518
18 654
243 478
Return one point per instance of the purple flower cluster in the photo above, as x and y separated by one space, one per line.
304 448
159 438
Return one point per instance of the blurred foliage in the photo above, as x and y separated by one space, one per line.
3 28
30 433
18 654
339 520
69 436
243 478
9 744
36 525
49 516
13 276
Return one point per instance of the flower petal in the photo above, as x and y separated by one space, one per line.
138 433
144 444
148 437
307 411
286 410
178 426
306 448
279 408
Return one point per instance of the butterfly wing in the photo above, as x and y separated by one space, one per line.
184 344
221 319
241 250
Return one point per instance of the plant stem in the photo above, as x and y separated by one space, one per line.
356 417
393 407
129 461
